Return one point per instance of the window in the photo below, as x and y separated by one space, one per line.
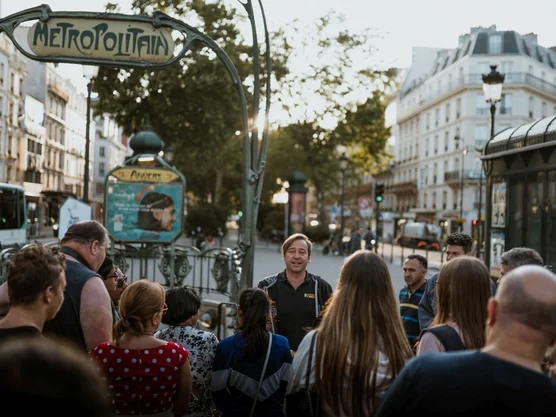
101 168
457 141
506 104
435 144
425 197
446 140
543 109
458 108
444 200
506 67
435 173
531 107
436 116
481 135
427 147
434 199
481 105
428 120
531 70
101 151
447 112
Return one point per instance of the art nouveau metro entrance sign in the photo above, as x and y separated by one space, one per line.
96 38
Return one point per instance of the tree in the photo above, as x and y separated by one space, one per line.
193 106
338 101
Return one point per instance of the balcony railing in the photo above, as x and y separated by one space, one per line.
470 80
455 176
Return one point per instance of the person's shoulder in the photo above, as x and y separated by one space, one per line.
174 346
319 279
101 348
268 281
280 340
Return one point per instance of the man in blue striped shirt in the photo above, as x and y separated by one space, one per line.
414 273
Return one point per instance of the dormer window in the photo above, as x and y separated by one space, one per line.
495 44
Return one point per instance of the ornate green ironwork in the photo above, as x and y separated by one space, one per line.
254 156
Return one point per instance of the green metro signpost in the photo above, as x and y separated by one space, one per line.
129 41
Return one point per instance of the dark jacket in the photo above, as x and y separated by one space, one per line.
314 290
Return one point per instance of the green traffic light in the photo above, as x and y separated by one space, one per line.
378 198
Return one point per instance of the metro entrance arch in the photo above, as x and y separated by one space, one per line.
130 41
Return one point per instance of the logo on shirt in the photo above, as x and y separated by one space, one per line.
309 295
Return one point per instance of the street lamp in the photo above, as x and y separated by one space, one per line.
89 72
344 160
462 177
492 88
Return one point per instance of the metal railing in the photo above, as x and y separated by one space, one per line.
212 271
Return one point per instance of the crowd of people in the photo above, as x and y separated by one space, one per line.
76 339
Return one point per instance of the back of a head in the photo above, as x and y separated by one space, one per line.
517 257
139 303
361 319
183 302
255 308
32 271
84 232
106 267
41 377
364 281
527 295
463 293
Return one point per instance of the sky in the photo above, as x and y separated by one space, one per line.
402 24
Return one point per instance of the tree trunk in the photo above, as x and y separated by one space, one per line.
218 186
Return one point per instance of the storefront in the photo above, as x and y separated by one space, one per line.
520 165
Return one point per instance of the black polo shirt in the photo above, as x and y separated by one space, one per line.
295 311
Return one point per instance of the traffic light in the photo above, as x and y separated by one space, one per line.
379 191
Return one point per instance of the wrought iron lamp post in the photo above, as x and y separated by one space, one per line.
344 160
462 184
89 72
492 88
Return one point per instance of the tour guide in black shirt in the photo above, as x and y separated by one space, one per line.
297 296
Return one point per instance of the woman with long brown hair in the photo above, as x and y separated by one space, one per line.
463 293
360 345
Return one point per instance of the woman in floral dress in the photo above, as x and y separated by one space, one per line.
181 317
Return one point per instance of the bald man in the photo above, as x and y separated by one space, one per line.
505 376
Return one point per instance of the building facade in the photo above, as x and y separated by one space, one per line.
110 148
443 121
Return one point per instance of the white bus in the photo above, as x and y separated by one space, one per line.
13 216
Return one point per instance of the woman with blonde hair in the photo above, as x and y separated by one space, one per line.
145 375
463 292
359 347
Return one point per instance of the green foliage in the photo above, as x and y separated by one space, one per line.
318 234
209 217
193 105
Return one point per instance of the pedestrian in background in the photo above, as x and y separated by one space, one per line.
517 257
359 347
414 273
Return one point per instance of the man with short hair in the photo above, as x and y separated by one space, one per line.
85 318
36 284
505 375
297 296
414 273
517 257
457 244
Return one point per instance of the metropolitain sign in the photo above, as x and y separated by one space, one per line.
96 38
